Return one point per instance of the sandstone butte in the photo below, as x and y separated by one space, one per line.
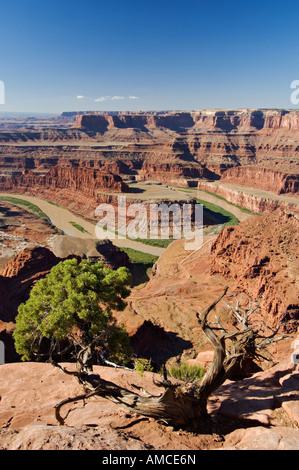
82 160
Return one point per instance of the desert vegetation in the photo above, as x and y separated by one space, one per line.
75 302
78 227
142 264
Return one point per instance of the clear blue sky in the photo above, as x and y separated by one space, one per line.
147 54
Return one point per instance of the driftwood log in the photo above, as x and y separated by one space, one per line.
183 404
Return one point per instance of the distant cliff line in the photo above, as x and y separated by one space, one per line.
225 120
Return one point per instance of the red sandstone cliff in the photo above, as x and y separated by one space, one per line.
101 122
210 142
226 120
256 177
20 274
258 202
84 180
80 189
261 256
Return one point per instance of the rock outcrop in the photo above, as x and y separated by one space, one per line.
261 255
255 200
79 188
225 120
278 182
144 121
245 415
75 179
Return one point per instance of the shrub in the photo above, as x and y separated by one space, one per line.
143 365
186 373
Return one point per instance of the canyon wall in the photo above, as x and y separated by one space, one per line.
257 177
258 258
260 204
226 120
212 144
82 180
22 272
79 189
246 147
102 121
261 255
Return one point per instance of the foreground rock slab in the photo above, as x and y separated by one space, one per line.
29 391
259 438
257 399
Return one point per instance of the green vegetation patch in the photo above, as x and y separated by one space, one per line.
54 203
216 213
79 227
187 373
142 264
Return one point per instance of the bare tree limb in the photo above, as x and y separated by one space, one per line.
182 404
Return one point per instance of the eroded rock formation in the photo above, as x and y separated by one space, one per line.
226 120
278 182
259 257
76 179
172 147
257 201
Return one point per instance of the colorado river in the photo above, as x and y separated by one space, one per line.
62 219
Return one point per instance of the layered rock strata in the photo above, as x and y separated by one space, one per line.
256 148
278 182
226 120
256 201
84 180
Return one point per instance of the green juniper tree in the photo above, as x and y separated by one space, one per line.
74 303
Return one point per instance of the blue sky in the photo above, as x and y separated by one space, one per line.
70 55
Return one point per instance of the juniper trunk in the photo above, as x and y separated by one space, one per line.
180 404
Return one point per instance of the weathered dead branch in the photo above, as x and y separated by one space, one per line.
182 404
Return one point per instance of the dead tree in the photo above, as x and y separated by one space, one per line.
182 404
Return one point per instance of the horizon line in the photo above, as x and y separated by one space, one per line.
59 113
